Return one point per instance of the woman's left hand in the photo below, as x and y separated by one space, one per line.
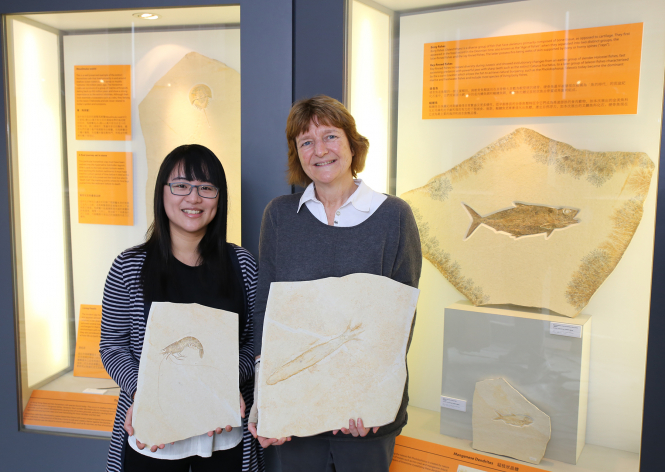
228 428
356 429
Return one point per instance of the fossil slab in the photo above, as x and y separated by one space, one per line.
196 102
188 374
516 344
333 349
531 221
506 423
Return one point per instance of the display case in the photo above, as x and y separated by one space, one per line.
526 138
95 102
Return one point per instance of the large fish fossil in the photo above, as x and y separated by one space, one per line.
524 220
556 182
314 355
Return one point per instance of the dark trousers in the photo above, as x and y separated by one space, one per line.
315 454
220 461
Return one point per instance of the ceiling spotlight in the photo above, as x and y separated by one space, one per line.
146 16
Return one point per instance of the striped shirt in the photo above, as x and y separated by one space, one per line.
123 329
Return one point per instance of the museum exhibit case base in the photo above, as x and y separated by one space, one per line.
423 425
544 357
505 103
73 405
89 85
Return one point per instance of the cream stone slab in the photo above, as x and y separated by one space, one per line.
553 220
188 374
333 349
196 102
506 423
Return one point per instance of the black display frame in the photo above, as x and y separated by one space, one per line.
653 432
266 95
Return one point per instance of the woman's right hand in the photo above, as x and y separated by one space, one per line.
356 429
265 442
130 430
254 414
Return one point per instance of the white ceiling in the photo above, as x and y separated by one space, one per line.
92 20
401 5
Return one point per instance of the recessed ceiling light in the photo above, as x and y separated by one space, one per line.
146 16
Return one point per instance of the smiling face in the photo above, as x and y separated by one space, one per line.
189 215
325 154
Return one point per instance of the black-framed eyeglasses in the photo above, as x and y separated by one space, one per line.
204 190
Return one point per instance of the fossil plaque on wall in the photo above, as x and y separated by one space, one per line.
532 221
196 102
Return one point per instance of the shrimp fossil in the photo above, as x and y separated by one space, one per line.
313 355
175 349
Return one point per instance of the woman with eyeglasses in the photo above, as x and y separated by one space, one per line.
185 259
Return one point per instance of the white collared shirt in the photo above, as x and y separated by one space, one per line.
357 208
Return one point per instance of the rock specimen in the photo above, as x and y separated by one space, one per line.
188 374
531 221
196 102
506 423
323 335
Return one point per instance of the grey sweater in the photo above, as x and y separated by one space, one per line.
296 247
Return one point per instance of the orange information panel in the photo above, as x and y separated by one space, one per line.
103 103
414 455
70 410
590 71
87 361
105 188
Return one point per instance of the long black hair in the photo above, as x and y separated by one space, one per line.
195 162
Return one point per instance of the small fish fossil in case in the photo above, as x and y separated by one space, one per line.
514 420
524 220
315 354
200 95
175 349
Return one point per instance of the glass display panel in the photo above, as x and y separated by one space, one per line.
96 101
370 65
528 138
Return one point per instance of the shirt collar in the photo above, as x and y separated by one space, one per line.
361 199
307 195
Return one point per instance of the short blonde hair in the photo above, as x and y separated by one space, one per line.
327 111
